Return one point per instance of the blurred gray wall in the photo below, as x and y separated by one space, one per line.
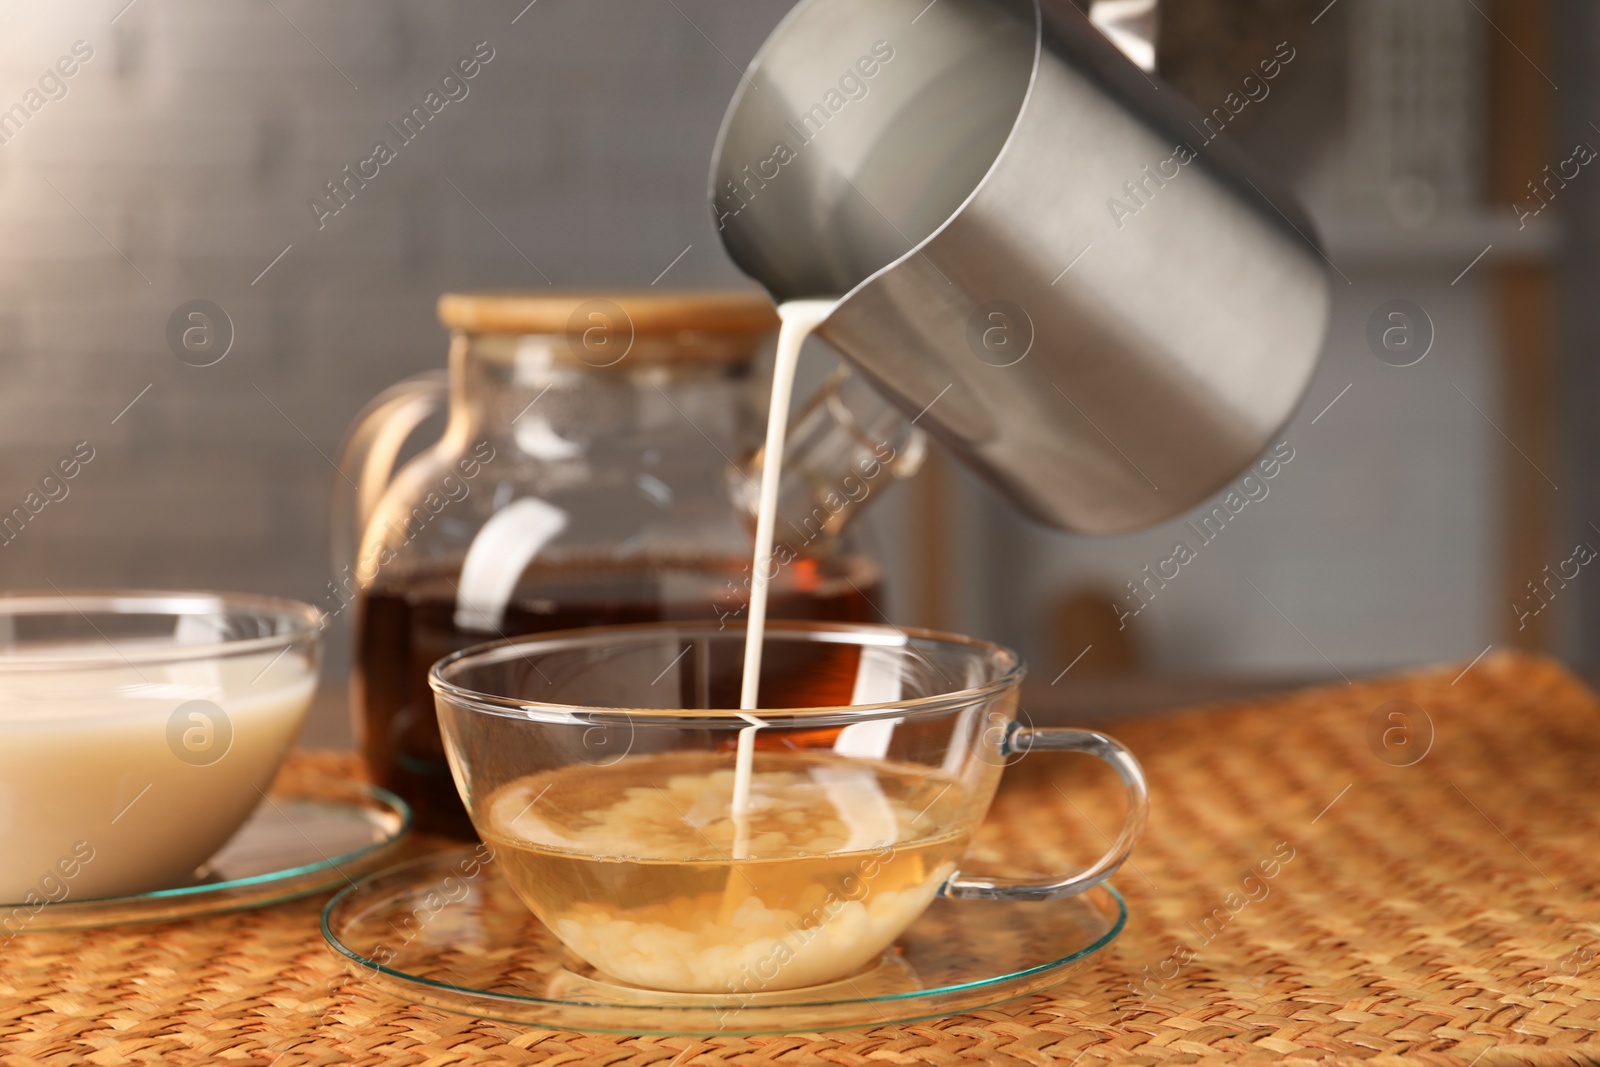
179 165
180 162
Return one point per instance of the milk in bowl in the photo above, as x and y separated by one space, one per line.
138 731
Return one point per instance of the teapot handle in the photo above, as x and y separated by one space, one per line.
1131 26
845 444
368 454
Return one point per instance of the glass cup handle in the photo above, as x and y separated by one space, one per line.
1056 739
367 457
844 445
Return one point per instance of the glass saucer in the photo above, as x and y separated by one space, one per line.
448 932
302 839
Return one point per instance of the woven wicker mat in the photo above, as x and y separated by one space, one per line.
1443 912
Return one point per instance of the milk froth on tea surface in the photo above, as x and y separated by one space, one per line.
632 865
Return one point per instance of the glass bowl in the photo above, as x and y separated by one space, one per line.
139 730
311 834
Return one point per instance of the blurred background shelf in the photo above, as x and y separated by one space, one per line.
1368 243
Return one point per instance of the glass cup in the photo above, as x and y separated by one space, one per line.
138 731
676 846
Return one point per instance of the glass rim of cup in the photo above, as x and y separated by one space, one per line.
1010 675
302 624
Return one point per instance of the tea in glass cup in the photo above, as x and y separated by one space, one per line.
599 766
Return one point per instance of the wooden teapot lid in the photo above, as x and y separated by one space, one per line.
644 326
649 311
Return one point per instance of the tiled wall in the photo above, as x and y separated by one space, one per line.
179 164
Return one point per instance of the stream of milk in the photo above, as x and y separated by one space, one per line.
797 318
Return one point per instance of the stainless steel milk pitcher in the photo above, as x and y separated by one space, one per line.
1046 258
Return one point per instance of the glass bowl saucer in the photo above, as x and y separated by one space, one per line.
446 931
301 839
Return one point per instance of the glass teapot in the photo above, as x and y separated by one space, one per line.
598 465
